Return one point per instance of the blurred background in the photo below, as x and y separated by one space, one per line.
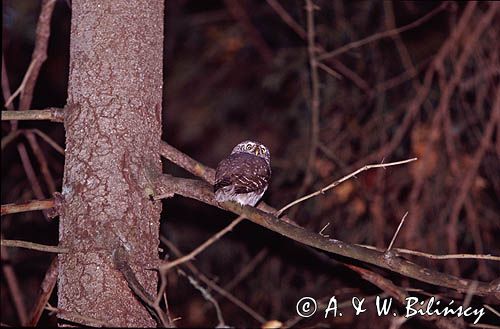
238 70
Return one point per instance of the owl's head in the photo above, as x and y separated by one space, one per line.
254 148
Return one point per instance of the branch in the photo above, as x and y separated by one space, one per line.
202 277
46 288
53 114
383 34
121 263
435 256
168 265
14 208
314 104
343 179
33 246
201 191
38 57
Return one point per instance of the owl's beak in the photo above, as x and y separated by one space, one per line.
257 151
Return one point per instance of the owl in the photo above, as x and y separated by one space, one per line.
244 175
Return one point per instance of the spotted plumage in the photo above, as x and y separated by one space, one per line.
244 175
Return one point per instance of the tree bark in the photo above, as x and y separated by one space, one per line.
113 133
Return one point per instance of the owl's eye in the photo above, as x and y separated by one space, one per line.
249 147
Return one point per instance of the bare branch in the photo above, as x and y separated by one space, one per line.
39 54
434 256
343 179
384 34
204 292
53 114
212 284
314 104
397 231
121 263
13 208
33 246
46 288
168 265
201 191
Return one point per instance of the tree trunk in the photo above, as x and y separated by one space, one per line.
113 132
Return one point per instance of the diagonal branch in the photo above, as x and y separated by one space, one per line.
46 288
384 34
121 262
343 179
195 189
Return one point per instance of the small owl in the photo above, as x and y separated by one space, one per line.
244 175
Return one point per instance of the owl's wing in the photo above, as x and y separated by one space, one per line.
245 172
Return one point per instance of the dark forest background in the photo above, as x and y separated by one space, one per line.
238 70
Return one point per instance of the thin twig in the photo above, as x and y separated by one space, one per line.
324 228
39 54
383 34
46 288
21 86
339 181
435 256
213 285
49 141
285 16
167 266
207 296
33 246
30 173
397 231
42 161
329 70
5 85
53 114
339 66
314 104
10 137
14 208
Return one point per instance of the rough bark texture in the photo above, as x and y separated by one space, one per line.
113 132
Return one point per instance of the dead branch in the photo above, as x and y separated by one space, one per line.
51 114
201 191
14 208
383 34
38 58
170 264
121 263
46 288
223 292
33 246
343 179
